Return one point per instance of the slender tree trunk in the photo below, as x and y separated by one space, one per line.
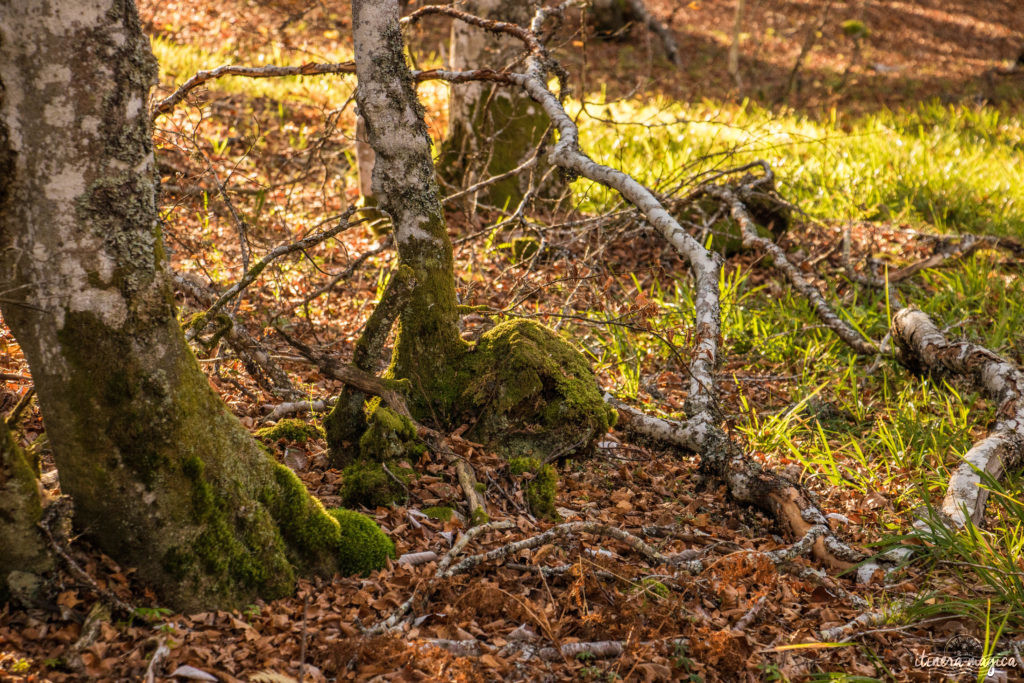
428 343
527 391
491 130
162 476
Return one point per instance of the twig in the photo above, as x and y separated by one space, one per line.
252 273
476 502
311 69
154 662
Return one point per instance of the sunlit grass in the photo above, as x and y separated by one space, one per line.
180 62
883 431
950 168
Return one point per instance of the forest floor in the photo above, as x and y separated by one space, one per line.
892 145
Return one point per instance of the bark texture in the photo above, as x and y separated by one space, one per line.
404 183
163 477
490 129
923 348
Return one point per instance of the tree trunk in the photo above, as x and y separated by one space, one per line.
491 130
162 476
525 390
428 342
21 508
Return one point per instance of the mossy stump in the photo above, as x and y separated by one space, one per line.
379 474
529 393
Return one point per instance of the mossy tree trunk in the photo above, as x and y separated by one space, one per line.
491 130
529 392
162 476
428 343
21 508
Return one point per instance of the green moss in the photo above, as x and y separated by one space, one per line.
654 586
289 429
541 489
364 547
439 512
354 542
528 392
389 436
479 517
366 483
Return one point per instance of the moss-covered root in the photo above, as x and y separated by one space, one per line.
532 393
380 474
367 483
540 488
322 541
289 429
21 547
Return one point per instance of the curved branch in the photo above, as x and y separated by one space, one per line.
924 348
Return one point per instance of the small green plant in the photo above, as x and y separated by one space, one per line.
681 660
855 28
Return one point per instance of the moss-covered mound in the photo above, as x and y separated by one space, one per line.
528 392
289 429
379 475
364 546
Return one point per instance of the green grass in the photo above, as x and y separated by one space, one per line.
180 62
934 168
950 168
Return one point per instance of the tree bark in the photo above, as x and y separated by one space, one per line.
491 130
428 343
163 477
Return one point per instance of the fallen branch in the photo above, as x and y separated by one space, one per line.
296 408
442 566
923 348
866 619
751 239
476 502
562 530
311 69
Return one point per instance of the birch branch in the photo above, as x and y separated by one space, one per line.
923 347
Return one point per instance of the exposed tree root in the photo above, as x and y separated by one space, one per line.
923 348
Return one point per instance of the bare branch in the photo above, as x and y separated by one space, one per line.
924 348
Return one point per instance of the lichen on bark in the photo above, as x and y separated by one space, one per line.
163 477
